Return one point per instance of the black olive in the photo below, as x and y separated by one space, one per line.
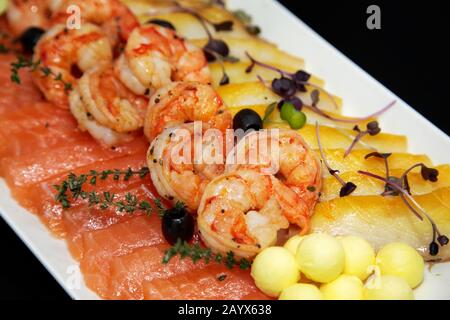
247 119
177 223
30 37
162 23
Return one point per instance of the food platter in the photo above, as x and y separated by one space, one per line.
361 95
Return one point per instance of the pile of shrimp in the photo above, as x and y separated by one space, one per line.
240 207
105 69
125 78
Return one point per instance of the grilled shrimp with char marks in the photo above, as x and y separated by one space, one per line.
62 51
155 56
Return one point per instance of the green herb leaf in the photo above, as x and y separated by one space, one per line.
3 49
269 110
242 16
196 252
72 188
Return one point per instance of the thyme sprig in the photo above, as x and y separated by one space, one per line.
24 63
197 252
72 188
4 49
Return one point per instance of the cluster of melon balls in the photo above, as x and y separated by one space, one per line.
343 268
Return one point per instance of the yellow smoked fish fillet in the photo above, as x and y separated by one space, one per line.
382 220
190 27
259 49
337 138
237 73
368 186
248 94
356 161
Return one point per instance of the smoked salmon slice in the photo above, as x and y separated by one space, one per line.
37 127
77 221
101 246
40 197
129 271
120 253
19 171
204 284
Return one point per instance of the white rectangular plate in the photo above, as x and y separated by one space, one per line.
361 93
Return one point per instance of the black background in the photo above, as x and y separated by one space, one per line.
410 55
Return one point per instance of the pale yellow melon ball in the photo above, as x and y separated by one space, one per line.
3 5
320 257
292 244
345 287
359 255
399 259
301 291
274 269
389 288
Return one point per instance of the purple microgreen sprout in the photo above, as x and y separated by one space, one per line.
400 187
284 86
225 78
372 129
347 187
213 45
315 95
226 25
298 104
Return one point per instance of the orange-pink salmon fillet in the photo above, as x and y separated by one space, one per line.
101 246
129 271
40 197
120 254
204 284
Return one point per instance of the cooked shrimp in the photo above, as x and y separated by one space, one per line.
182 102
295 167
103 134
62 51
106 108
114 17
240 211
156 56
183 176
23 14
